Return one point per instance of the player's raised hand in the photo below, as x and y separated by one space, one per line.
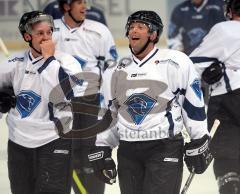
47 48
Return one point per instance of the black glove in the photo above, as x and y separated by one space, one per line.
197 155
103 165
213 73
7 99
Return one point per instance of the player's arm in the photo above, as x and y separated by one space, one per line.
7 70
58 68
100 157
197 155
208 49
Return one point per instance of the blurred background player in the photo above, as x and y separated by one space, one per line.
218 61
92 44
93 13
191 21
39 161
153 94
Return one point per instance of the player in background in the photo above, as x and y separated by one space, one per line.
217 59
39 161
92 44
153 94
190 21
93 13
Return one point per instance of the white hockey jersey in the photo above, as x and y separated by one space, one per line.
37 84
91 44
222 43
153 98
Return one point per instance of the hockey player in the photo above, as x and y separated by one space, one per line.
91 43
191 21
93 13
39 161
153 94
217 59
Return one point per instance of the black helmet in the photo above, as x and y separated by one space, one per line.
29 18
232 5
151 18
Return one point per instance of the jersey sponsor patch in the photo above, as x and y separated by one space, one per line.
170 159
66 152
197 151
197 88
95 156
27 101
139 105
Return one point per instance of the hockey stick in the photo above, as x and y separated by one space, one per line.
4 48
192 174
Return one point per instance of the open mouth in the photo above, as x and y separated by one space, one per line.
135 38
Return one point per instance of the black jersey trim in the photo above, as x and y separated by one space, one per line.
148 58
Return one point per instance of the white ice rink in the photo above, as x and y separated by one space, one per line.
202 184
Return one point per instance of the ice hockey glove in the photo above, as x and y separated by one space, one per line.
213 73
7 99
103 165
197 155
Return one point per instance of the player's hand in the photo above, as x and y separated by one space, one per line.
47 48
197 155
7 99
103 165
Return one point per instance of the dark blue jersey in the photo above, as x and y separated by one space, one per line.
189 24
93 13
53 10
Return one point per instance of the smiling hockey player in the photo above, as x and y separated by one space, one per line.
154 94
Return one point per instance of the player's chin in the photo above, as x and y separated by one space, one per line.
81 17
134 43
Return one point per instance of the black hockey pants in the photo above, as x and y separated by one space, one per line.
46 169
150 167
225 145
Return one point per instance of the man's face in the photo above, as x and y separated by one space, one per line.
40 32
78 9
138 35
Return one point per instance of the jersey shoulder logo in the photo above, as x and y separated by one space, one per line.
197 88
139 105
113 52
27 101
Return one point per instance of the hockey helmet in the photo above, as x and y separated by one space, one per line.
233 6
150 18
30 18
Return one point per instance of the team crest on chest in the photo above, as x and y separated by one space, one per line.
139 106
27 101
